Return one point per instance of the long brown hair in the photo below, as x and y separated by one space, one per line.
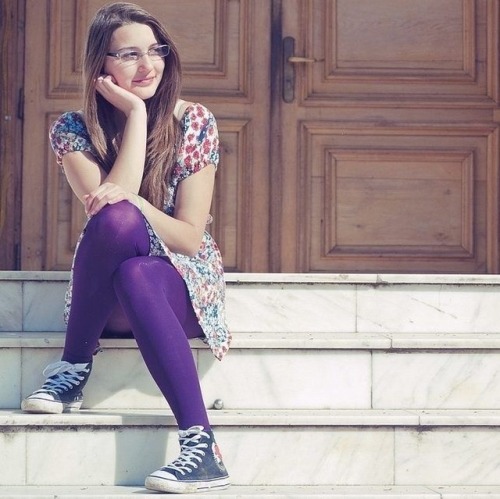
163 128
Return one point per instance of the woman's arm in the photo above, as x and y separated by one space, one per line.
183 232
91 184
128 168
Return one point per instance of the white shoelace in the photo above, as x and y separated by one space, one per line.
63 376
192 450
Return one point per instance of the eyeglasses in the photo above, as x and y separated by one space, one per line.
154 53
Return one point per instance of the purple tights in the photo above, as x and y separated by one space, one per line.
112 269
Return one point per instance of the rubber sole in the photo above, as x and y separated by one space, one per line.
44 406
177 487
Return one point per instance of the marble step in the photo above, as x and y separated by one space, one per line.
283 371
374 349
260 448
316 303
262 492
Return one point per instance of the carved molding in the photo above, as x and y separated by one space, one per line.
458 159
225 76
64 215
64 77
492 51
229 75
232 198
468 77
406 65
51 202
373 168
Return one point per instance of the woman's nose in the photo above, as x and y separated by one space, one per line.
145 63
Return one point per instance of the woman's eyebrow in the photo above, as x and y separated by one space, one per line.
137 48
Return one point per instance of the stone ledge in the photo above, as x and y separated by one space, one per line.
258 418
281 341
260 492
295 278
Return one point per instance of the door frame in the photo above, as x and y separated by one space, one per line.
12 15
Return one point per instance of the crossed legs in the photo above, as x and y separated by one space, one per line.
113 272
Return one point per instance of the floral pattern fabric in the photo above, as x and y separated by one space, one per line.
203 273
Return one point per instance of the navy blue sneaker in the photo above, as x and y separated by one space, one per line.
62 390
198 468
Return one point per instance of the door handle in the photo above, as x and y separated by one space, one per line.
295 60
289 62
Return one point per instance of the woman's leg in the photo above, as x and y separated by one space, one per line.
114 235
155 300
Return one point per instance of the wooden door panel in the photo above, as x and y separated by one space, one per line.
218 41
231 192
388 49
395 197
65 29
395 161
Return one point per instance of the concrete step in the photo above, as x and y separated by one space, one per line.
259 492
283 371
260 448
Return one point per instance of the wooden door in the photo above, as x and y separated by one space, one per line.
357 135
389 161
223 45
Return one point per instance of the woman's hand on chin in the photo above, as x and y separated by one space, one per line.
122 99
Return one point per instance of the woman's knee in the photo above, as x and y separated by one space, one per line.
121 223
149 272
113 218
133 270
156 280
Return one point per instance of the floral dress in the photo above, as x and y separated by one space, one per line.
203 273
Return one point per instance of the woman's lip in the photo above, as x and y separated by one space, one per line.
144 80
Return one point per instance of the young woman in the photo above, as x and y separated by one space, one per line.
143 163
